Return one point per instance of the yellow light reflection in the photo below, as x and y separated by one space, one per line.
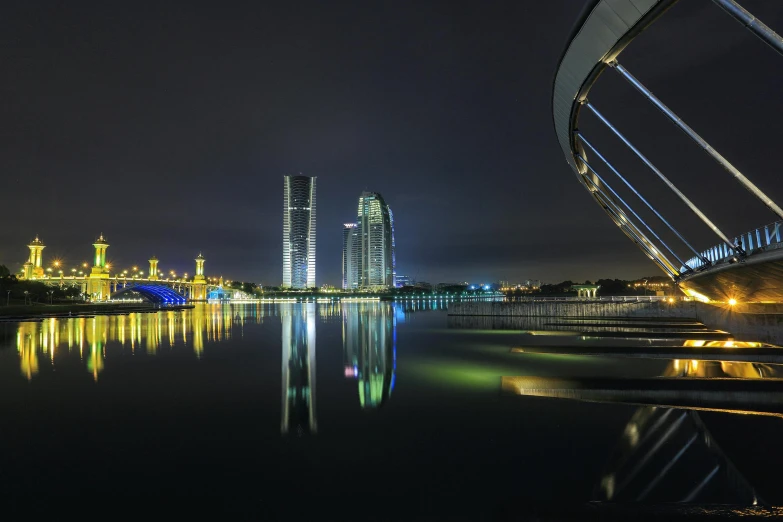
94 337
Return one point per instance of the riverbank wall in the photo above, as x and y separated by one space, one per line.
752 321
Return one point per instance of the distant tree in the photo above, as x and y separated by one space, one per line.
561 288
72 291
612 287
4 272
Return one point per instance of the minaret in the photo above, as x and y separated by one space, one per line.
100 253
98 284
153 268
33 268
199 292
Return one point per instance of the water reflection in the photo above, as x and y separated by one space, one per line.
370 350
89 338
667 455
298 375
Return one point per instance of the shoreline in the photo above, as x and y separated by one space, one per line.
15 313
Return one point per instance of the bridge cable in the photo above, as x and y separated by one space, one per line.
663 178
649 205
633 232
753 24
615 194
731 169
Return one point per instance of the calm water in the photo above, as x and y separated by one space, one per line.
278 411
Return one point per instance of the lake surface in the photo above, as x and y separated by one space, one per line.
375 410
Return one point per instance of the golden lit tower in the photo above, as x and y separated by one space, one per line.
98 284
100 253
153 268
200 266
199 292
33 268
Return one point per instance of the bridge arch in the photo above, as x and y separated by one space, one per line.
602 32
158 294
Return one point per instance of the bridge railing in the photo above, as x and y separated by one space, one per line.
753 242
607 298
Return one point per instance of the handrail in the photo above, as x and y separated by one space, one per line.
754 241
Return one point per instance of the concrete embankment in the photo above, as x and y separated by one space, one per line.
652 309
753 321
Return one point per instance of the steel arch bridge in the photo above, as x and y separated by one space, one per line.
747 266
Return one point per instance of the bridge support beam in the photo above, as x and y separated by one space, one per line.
731 169
627 206
663 178
581 138
753 24
633 233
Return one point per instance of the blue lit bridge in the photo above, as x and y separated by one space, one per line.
736 265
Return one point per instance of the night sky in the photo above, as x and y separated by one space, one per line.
168 127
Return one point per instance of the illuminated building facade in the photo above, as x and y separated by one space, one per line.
33 268
376 237
98 284
298 232
369 350
298 371
199 287
351 247
153 275
403 280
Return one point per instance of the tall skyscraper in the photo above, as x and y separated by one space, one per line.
351 246
298 232
376 235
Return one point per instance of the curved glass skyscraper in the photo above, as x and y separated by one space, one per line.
298 232
376 242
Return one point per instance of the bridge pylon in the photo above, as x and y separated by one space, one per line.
98 287
153 268
199 286
33 268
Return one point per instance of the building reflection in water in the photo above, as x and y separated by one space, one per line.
298 371
90 338
370 350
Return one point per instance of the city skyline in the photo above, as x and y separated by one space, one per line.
121 104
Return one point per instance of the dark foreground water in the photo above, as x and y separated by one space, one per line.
362 411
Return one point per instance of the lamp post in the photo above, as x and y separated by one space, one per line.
25 296
8 298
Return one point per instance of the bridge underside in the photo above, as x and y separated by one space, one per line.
758 279
157 294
